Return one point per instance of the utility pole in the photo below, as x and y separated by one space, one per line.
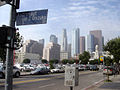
9 53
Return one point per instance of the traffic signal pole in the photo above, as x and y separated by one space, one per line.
9 53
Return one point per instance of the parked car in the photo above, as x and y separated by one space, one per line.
108 70
39 70
16 72
81 67
94 68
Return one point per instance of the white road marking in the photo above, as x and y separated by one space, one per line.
47 85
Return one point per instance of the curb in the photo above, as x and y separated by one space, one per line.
93 85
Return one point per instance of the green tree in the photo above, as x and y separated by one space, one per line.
95 61
65 61
108 61
84 57
44 61
113 46
55 61
51 66
2 54
18 43
26 61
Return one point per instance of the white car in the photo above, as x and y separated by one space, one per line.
16 72
54 70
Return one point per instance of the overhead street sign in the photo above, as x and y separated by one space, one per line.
32 17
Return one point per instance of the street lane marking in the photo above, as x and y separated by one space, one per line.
35 80
27 81
47 85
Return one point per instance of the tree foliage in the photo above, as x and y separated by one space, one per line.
44 61
2 54
84 58
55 61
65 61
26 61
18 42
113 46
95 61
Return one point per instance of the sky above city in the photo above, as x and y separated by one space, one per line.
69 14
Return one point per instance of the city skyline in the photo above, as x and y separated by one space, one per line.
84 14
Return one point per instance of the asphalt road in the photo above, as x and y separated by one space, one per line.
53 81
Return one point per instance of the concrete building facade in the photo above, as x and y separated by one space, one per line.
64 55
20 56
31 46
51 51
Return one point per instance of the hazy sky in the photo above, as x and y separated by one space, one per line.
70 14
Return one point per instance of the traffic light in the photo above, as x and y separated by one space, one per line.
3 35
6 34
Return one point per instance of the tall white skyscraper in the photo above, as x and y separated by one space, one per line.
64 41
53 39
75 42
90 43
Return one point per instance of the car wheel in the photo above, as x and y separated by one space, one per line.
2 75
17 74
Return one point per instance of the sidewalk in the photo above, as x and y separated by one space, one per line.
114 85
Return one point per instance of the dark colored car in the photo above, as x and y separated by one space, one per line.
94 68
39 70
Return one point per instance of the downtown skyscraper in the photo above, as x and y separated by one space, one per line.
75 42
82 44
98 39
64 41
53 39
90 43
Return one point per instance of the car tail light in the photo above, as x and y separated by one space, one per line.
104 69
110 69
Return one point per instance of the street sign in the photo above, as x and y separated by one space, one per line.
71 76
101 58
32 17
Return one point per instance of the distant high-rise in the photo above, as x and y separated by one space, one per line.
64 41
82 44
69 51
42 41
90 43
75 42
53 39
97 39
51 51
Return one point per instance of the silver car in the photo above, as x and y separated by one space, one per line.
16 72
